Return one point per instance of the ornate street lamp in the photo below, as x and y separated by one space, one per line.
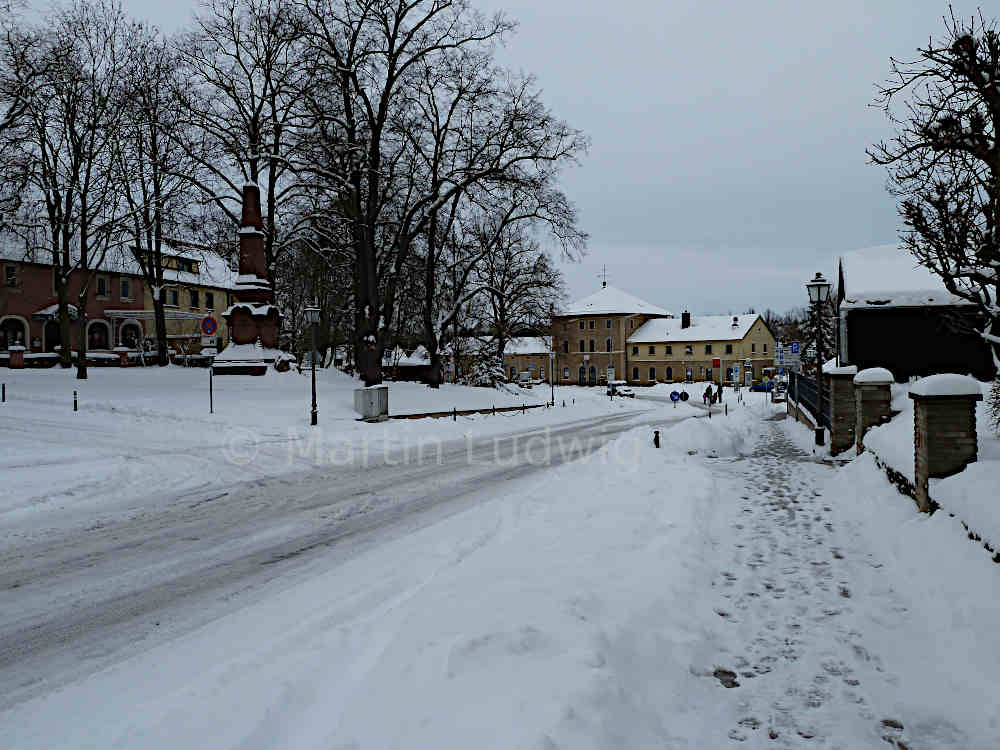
819 297
311 316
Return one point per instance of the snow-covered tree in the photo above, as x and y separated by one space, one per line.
820 325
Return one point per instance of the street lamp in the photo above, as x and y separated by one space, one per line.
819 296
311 315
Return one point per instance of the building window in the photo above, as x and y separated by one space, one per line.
669 349
652 373
609 323
765 348
565 373
195 299
581 325
173 298
631 324
566 346
209 300
753 347
186 265
635 373
670 374
689 349
708 348
102 286
582 346
635 350
10 275
125 289
652 350
592 345
607 344
729 348
592 325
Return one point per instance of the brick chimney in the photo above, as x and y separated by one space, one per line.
685 319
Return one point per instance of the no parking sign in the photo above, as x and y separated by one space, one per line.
209 325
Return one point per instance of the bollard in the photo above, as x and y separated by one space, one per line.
656 438
211 399
454 414
564 403
523 410
3 393
74 401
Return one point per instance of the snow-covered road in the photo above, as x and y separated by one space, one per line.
81 597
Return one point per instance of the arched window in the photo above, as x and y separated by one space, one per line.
130 334
582 375
13 332
98 335
607 345
593 375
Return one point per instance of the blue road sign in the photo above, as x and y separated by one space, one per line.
781 370
675 396
795 347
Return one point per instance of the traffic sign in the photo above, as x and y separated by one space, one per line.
209 325
675 396
795 347
684 395
716 362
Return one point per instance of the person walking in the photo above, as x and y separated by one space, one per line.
720 393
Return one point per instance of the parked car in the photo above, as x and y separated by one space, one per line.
620 388
761 387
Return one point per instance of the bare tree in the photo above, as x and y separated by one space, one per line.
243 80
76 63
944 161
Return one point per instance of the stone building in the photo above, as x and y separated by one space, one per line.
590 335
669 349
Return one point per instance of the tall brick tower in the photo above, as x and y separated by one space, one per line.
253 319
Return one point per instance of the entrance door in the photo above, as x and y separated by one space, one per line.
593 375
583 375
53 336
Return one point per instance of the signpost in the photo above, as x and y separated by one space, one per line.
675 397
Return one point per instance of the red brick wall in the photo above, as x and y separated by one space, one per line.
34 291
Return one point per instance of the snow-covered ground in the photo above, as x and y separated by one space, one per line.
727 588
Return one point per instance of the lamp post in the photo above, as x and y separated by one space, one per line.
311 315
552 373
819 295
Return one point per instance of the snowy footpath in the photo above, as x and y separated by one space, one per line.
726 590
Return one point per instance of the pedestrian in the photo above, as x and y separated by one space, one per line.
720 393
707 395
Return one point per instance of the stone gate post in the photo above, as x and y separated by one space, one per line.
944 429
872 400
842 407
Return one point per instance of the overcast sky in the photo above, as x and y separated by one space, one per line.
728 158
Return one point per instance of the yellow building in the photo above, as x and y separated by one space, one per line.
527 354
702 347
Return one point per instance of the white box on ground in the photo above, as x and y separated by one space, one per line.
372 402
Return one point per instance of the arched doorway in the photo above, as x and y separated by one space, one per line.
51 335
670 374
583 375
593 375
13 332
130 334
98 335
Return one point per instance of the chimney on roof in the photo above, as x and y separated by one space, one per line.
736 321
685 319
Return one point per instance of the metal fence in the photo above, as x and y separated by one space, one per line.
802 390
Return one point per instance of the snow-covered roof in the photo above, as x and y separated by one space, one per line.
702 328
528 345
612 301
889 276
213 270
399 358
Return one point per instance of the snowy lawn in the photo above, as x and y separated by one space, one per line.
144 436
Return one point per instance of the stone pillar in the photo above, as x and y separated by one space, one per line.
842 408
16 358
873 400
122 352
944 429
